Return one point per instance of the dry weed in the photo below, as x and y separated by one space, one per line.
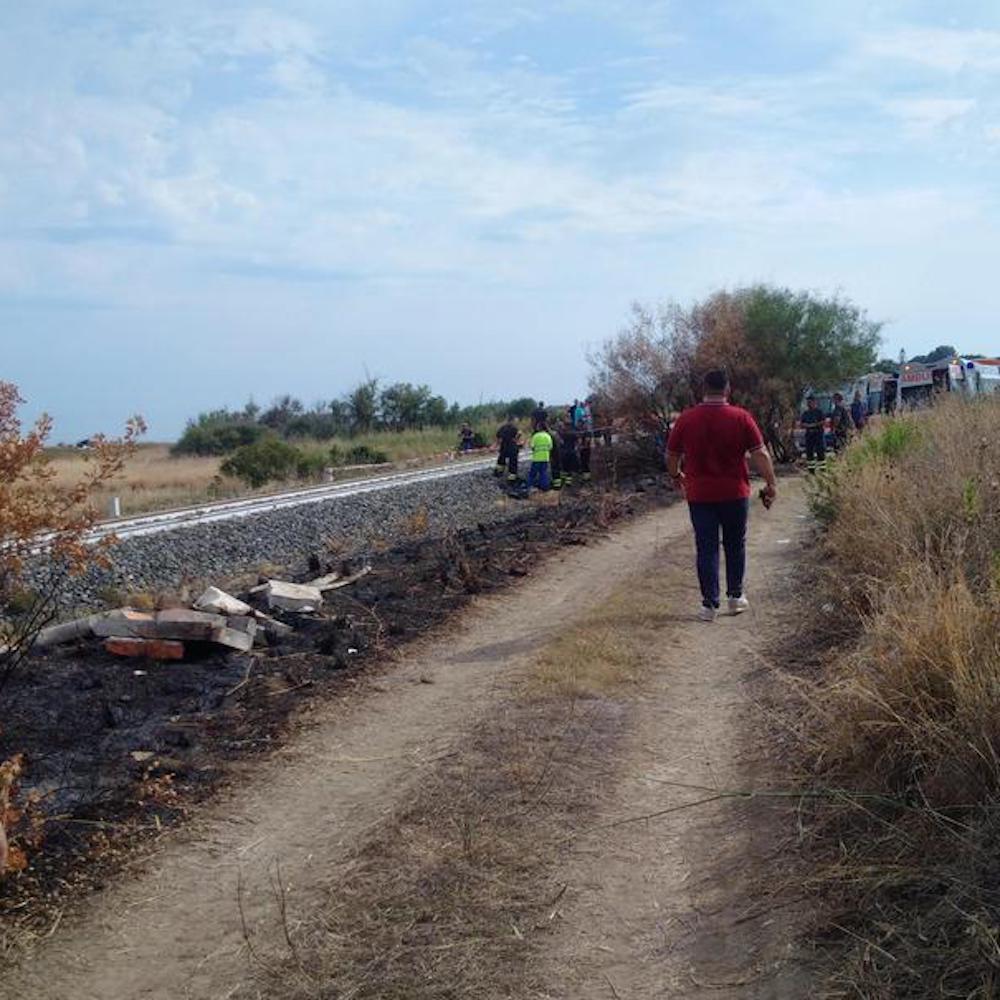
902 728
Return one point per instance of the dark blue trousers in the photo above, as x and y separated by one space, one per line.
729 517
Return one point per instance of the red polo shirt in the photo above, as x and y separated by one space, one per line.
714 439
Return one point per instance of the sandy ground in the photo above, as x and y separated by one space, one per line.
657 908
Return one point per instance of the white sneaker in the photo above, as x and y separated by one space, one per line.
706 614
737 605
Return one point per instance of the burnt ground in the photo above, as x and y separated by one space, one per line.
116 751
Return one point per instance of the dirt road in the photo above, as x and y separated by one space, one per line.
636 917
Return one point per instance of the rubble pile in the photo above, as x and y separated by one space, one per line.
215 618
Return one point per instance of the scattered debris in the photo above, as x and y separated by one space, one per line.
56 635
160 635
292 596
334 581
221 603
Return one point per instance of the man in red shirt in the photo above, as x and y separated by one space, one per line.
713 440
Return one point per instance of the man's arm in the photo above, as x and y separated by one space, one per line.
675 452
760 462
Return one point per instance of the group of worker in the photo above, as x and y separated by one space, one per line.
560 450
843 422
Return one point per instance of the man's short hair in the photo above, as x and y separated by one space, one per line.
715 380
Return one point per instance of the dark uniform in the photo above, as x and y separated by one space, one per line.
570 459
840 420
507 458
813 421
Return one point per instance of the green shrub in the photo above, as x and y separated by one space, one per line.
890 443
363 454
264 461
310 465
215 435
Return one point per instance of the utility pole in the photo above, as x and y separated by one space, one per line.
899 381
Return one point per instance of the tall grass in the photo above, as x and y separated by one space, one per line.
905 721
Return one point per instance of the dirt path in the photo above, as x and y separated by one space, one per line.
671 906
175 929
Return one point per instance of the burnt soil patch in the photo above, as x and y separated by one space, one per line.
118 751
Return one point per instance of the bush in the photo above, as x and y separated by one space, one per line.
267 460
363 454
218 434
310 465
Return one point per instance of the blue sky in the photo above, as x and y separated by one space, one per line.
200 202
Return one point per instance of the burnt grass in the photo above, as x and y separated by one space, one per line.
119 751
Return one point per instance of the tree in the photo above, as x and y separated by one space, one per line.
362 402
797 340
643 374
773 342
281 413
940 353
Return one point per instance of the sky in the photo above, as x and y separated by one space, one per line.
203 202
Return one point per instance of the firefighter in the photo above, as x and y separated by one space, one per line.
509 445
813 423
840 422
555 459
570 459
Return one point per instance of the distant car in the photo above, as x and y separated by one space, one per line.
84 443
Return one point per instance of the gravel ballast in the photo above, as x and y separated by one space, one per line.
347 526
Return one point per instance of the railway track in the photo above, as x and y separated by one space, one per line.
225 510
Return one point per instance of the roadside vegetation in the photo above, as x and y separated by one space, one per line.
900 727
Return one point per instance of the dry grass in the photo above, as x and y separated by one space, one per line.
451 897
153 479
908 716
156 480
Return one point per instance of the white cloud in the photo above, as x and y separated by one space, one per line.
734 102
947 49
925 115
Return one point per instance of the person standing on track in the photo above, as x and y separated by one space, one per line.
707 460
